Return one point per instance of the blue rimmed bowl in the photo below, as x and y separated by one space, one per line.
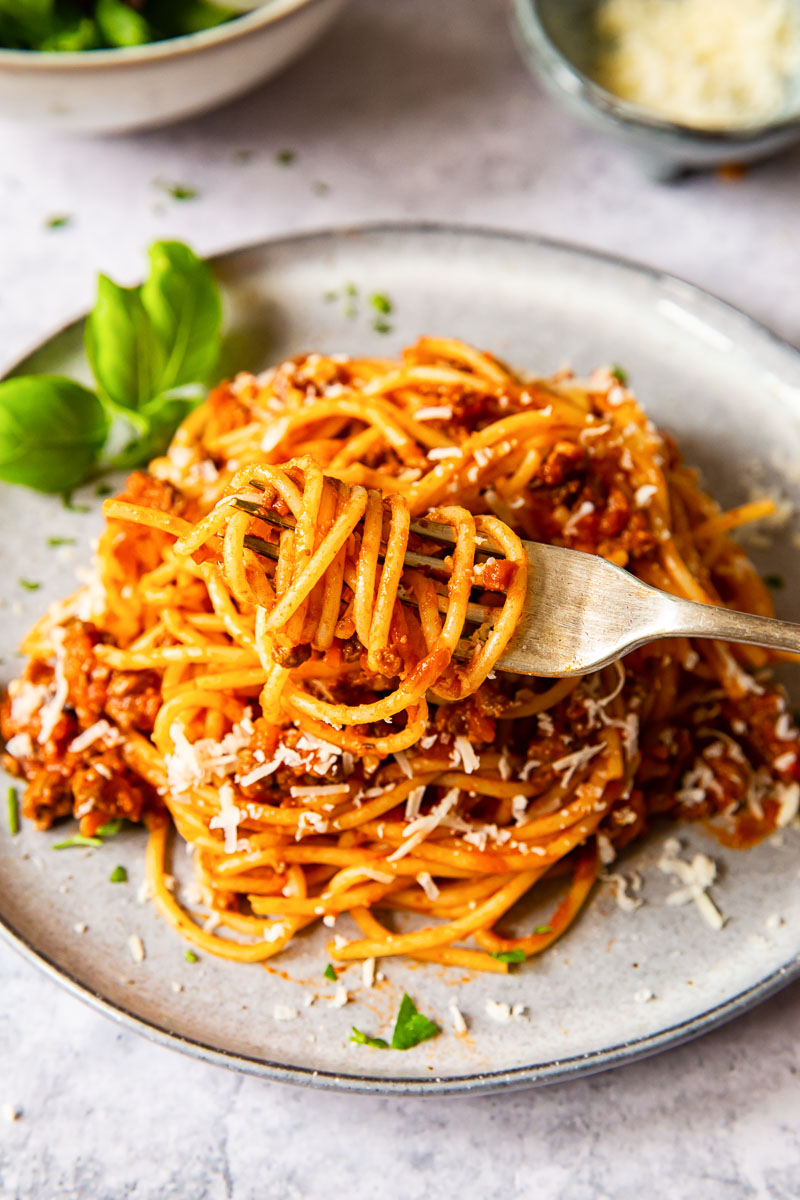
558 41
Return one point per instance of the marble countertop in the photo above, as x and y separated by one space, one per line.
406 111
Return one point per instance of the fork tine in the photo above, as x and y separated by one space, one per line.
427 529
477 614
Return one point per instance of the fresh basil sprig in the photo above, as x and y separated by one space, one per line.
151 349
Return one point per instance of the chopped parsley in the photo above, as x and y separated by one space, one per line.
118 875
330 297
13 811
60 221
78 840
350 289
61 541
543 929
190 956
510 956
620 374
774 581
411 1027
70 505
104 489
178 191
30 585
110 828
381 302
381 326
285 158
364 1039
330 973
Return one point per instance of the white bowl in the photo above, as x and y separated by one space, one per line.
104 91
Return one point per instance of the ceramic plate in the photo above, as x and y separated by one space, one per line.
730 392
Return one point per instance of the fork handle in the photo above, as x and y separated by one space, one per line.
726 625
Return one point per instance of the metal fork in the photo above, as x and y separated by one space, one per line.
581 611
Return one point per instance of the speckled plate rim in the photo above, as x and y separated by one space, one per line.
485 1082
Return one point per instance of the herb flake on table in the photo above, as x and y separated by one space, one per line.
12 808
285 158
330 973
30 585
76 841
59 221
364 1039
177 191
118 875
190 956
509 956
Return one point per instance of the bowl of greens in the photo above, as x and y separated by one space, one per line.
101 66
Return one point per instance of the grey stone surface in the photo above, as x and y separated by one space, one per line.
415 111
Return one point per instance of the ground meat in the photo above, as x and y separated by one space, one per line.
473 717
107 788
616 515
86 678
497 574
133 699
143 488
47 797
563 459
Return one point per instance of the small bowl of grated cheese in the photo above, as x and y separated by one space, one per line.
687 83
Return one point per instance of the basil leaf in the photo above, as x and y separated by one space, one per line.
177 17
72 36
27 20
159 420
411 1027
122 25
182 300
51 432
509 956
121 347
364 1039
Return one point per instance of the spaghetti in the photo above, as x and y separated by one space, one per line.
276 657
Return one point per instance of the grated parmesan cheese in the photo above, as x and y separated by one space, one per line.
52 709
418 830
228 817
696 876
340 997
428 886
136 947
457 1017
101 730
571 763
707 63
434 412
500 1011
464 754
284 1012
20 746
368 972
788 798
